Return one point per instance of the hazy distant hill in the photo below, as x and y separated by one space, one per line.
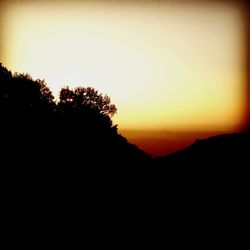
226 149
213 170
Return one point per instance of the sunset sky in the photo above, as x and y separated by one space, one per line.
165 64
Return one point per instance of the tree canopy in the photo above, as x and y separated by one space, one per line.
88 98
20 94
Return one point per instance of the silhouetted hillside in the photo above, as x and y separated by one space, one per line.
78 133
67 157
74 134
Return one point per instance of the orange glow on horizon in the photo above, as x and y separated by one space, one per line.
164 64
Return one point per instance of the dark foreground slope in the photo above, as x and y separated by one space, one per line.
58 142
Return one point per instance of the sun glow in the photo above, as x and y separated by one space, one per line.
164 65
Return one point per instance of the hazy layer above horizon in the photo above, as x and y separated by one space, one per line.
164 142
164 64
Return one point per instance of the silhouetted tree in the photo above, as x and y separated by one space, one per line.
5 74
88 107
5 85
86 98
20 94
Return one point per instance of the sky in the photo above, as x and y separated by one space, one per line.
165 64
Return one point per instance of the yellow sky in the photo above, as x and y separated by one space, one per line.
164 64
